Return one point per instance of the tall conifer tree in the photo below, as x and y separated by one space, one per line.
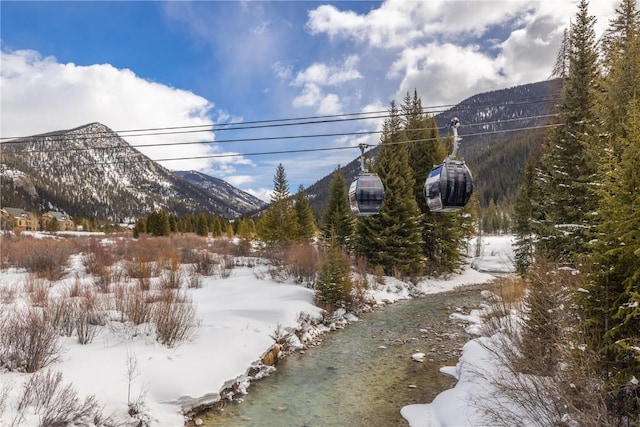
338 222
442 234
391 238
304 216
279 222
568 175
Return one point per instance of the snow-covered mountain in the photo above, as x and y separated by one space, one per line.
224 191
92 172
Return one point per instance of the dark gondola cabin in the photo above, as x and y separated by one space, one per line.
366 194
448 187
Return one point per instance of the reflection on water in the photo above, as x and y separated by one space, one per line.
362 375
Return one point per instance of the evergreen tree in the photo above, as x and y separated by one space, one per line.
201 226
279 222
139 227
525 215
338 222
568 176
442 234
612 303
173 223
392 238
304 215
333 285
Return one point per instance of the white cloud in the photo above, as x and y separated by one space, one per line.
41 95
330 104
309 97
326 75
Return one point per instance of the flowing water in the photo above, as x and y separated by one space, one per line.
362 375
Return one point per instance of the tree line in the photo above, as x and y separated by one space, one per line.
579 203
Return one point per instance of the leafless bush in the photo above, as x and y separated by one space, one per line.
299 262
46 258
96 256
85 327
223 246
194 281
205 263
139 268
38 291
8 294
29 340
57 405
132 304
282 337
175 318
171 279
225 266
62 312
105 278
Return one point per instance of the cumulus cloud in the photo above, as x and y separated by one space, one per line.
40 95
449 50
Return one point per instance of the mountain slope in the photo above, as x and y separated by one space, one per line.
92 172
222 190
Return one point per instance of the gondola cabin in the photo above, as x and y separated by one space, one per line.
448 187
366 194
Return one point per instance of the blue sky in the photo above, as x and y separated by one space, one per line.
142 65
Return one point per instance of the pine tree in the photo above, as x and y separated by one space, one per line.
304 215
392 238
442 234
333 286
279 222
612 304
526 213
338 222
568 175
201 227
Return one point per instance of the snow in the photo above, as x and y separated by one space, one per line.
238 316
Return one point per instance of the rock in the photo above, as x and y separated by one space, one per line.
418 357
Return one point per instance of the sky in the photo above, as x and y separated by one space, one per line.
248 85
234 333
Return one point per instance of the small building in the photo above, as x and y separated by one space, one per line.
17 220
63 222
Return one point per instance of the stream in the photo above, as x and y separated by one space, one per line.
362 375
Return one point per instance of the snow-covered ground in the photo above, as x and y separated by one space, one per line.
239 316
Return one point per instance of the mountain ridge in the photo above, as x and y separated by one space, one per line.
91 171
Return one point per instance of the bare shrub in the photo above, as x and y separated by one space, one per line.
8 294
62 312
39 292
222 246
226 266
282 337
302 261
46 258
189 246
96 255
205 263
175 318
105 278
86 325
171 279
194 281
132 304
29 340
299 262
56 404
139 268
